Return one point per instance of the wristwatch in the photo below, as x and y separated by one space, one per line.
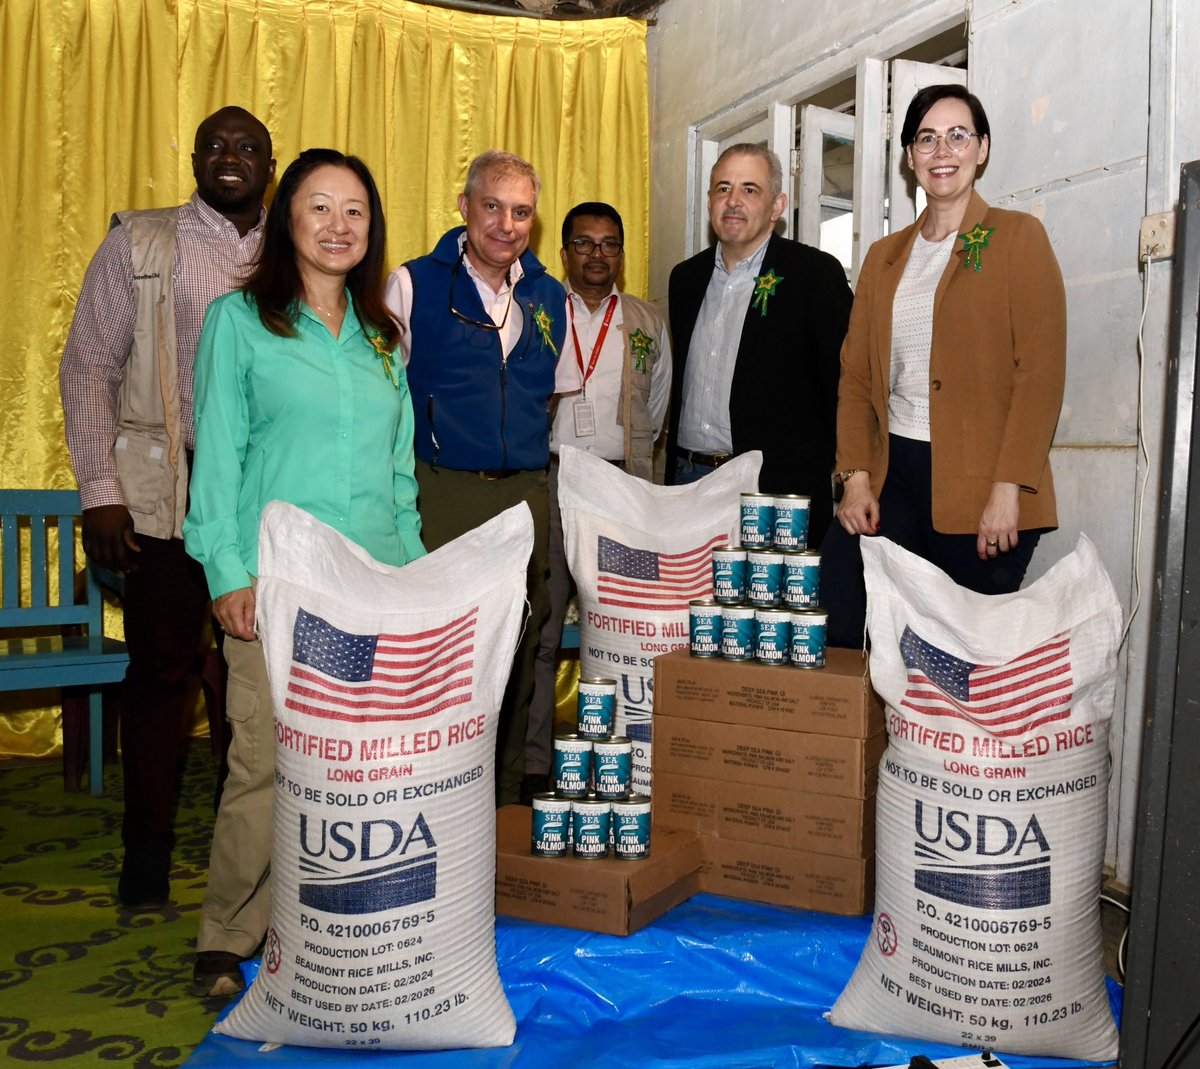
842 476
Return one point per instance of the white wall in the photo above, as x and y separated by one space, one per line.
1093 107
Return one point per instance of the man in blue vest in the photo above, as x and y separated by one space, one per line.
482 327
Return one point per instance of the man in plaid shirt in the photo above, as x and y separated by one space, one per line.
122 360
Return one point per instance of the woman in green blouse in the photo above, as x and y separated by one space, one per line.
299 398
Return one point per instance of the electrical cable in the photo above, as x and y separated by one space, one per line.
1124 935
1145 453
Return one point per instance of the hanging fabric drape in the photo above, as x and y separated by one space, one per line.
100 99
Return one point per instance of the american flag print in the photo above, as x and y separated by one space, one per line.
1003 700
644 579
371 678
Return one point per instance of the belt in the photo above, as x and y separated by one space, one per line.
502 473
709 460
554 459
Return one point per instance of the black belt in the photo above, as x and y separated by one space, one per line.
554 459
502 473
709 460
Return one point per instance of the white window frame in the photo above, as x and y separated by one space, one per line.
775 106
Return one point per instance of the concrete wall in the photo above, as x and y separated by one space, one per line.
1093 107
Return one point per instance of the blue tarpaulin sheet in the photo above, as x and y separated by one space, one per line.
716 983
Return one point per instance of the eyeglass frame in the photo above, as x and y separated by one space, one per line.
945 138
462 317
577 243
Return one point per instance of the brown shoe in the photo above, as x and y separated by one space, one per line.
217 974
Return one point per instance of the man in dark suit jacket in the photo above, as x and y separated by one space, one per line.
757 323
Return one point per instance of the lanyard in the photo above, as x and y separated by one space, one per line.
612 304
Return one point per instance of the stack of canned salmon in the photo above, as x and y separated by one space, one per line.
766 591
591 812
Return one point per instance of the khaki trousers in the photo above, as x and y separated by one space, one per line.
237 903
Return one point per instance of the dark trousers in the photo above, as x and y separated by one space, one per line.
454 502
165 600
906 517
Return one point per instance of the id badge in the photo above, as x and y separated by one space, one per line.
585 418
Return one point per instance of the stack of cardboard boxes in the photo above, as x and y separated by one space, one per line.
775 768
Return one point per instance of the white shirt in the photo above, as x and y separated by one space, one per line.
912 337
708 375
398 297
603 388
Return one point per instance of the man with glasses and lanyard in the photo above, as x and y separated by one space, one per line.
482 327
612 388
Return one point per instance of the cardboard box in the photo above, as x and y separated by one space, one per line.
795 820
791 760
797 878
611 896
834 700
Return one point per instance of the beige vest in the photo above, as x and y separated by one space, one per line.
149 447
633 412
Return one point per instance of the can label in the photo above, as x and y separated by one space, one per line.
612 767
758 520
729 574
597 708
704 627
631 828
572 766
802 580
773 638
764 579
551 825
737 633
591 829
791 522
808 638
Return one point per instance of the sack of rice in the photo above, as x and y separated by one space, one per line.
639 553
386 684
991 809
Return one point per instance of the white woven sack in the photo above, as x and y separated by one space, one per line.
386 684
991 810
639 553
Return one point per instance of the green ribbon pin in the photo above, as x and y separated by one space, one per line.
386 356
764 290
974 242
641 345
544 323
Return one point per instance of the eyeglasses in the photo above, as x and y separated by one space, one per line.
462 317
957 139
585 247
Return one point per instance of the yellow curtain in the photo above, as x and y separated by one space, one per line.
100 99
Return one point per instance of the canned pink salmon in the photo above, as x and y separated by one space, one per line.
764 576
572 766
737 632
551 825
596 708
631 827
791 522
729 574
612 766
802 579
758 520
591 828
773 634
704 627
808 637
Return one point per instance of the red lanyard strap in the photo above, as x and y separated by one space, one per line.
612 305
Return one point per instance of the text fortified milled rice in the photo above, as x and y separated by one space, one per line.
991 809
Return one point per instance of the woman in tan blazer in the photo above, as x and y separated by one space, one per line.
952 378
